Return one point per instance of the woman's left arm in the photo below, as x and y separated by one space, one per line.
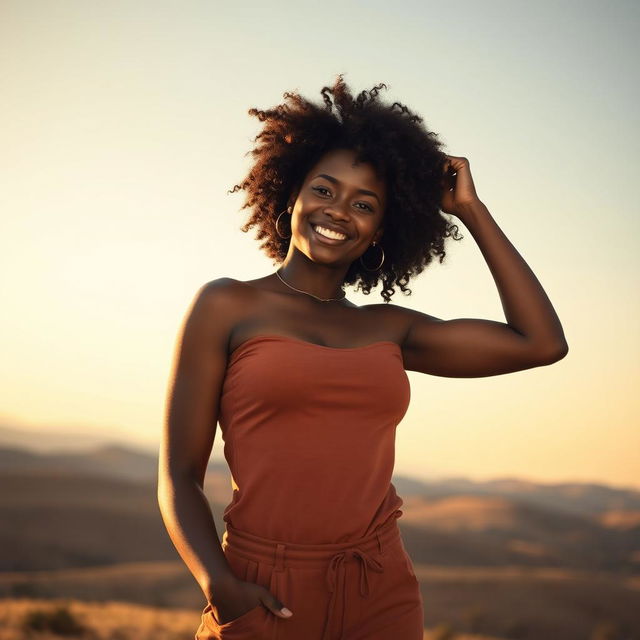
467 347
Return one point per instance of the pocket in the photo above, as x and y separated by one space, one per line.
214 625
258 623
246 626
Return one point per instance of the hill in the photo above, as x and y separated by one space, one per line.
505 558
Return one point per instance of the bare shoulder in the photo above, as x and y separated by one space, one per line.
217 305
220 286
399 317
224 291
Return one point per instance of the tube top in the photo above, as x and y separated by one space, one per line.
309 437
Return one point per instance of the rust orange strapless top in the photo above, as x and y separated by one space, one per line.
309 437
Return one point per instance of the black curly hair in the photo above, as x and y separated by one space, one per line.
297 133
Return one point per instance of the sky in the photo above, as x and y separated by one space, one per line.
123 125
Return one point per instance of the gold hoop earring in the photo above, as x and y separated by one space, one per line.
378 267
287 210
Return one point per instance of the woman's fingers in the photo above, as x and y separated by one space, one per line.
277 607
458 187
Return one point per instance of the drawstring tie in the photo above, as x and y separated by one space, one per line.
336 562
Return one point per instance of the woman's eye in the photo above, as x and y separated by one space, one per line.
323 190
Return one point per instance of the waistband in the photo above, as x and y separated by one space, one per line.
282 555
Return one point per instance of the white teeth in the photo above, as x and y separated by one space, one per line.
323 231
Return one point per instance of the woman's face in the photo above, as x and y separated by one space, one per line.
340 196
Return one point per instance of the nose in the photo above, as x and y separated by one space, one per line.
337 212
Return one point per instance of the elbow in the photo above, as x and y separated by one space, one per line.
558 352
171 482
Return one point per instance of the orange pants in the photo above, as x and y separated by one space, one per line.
365 589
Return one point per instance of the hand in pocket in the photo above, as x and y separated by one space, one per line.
236 598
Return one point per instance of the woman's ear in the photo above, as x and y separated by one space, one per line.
294 196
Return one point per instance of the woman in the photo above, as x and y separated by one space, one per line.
309 387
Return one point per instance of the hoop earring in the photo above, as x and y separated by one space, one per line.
287 210
378 267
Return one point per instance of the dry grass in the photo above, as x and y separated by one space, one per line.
523 603
100 620
122 621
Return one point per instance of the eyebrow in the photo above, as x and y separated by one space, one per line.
336 181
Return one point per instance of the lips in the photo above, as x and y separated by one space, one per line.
331 228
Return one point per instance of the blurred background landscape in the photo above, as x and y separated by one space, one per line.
122 127
506 558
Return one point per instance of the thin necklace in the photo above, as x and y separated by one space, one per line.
310 294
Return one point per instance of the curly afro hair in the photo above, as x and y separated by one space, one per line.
297 133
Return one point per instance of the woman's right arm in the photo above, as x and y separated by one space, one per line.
191 416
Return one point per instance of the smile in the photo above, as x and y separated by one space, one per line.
328 235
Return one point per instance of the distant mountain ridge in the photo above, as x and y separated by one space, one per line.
451 521
128 463
67 439
86 524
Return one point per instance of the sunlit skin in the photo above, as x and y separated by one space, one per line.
532 336
317 267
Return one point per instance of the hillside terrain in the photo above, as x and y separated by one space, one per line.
505 559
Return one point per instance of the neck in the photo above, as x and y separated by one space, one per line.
323 284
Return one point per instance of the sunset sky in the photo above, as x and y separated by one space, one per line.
123 125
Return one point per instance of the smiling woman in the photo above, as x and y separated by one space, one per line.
309 388
336 208
400 189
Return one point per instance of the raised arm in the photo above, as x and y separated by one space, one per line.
470 347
